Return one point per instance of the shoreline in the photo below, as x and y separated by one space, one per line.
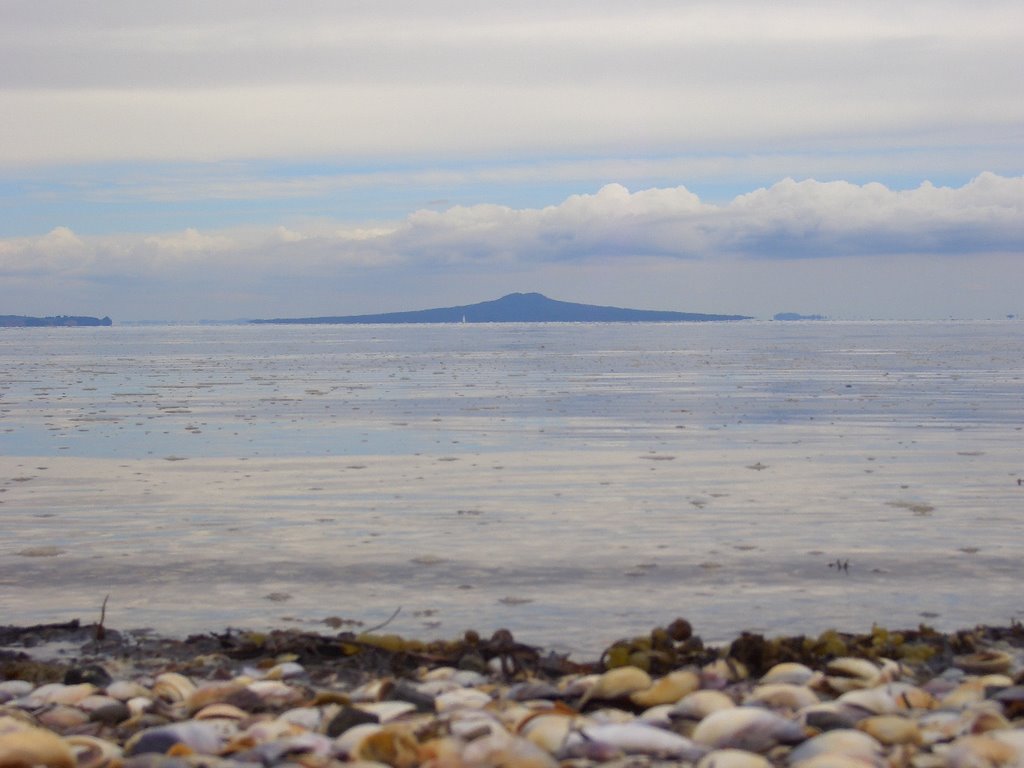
67 644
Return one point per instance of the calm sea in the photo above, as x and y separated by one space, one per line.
575 483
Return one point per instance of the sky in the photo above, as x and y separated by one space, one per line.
228 159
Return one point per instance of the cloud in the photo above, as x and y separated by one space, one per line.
790 220
89 84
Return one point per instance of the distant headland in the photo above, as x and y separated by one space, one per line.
518 308
62 321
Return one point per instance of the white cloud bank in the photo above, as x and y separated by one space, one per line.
613 231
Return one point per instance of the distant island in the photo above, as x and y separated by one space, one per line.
795 316
518 308
64 321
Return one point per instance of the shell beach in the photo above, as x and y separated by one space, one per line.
86 696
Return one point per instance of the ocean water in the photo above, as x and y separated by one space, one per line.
574 483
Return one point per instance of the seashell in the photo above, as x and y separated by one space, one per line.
16 720
848 673
889 730
506 751
139 705
1012 736
985 662
96 701
393 747
721 672
618 682
733 758
549 732
434 688
878 701
831 715
221 711
440 751
274 693
850 743
700 704
349 740
198 736
790 672
668 689
439 673
386 711
831 760
638 738
91 752
62 718
911 697
123 690
173 687
462 698
983 751
285 671
263 731
782 696
33 747
212 693
16 688
532 689
55 693
470 724
660 715
306 718
749 728
986 719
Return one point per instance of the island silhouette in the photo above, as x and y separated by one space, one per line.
62 321
518 308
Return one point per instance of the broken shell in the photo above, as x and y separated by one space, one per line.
984 662
173 687
91 752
